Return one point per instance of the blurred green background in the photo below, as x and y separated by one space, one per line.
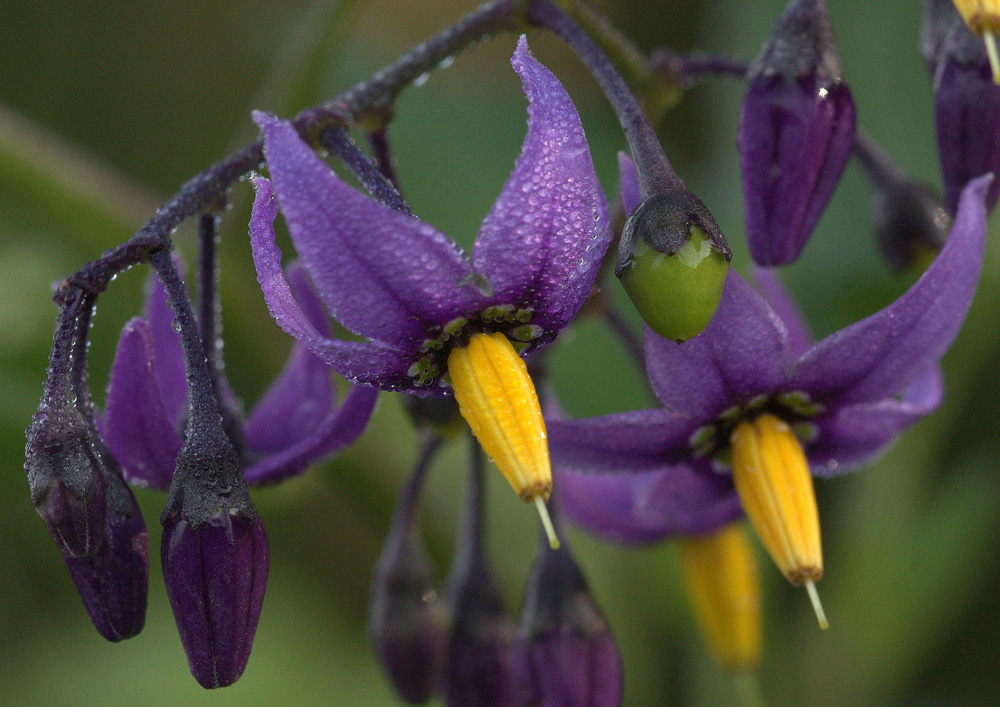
107 107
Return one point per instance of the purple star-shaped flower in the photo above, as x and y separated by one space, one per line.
295 423
408 289
848 397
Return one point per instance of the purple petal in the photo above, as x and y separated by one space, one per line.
647 506
302 396
623 442
336 431
167 351
768 283
631 196
135 425
382 274
882 354
548 230
371 364
856 434
745 351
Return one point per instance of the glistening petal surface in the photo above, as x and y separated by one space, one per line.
135 426
358 362
544 238
883 354
855 434
743 352
382 274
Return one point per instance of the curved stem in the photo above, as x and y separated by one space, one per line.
656 175
337 141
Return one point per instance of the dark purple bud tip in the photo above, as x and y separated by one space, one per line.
215 574
406 623
477 668
113 582
797 125
564 653
66 481
910 224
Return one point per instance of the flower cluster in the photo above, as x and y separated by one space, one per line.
752 409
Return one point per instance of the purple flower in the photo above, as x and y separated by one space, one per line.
847 397
409 289
294 423
796 132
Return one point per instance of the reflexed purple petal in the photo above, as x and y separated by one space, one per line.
135 426
855 434
358 362
967 104
768 283
548 230
382 274
882 354
622 442
113 583
795 138
745 351
215 579
340 427
629 183
648 506
301 398
166 351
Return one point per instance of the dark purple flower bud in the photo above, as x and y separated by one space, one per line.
406 623
909 221
113 582
65 478
477 669
966 103
796 132
564 653
215 559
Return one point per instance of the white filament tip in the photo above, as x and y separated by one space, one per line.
817 606
991 51
550 529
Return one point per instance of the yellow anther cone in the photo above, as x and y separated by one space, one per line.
721 579
775 487
497 398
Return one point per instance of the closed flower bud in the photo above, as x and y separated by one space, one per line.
796 132
215 558
966 105
564 653
406 623
477 667
215 575
65 478
909 221
113 582
672 261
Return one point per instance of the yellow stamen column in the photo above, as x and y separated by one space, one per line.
720 576
774 484
497 398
